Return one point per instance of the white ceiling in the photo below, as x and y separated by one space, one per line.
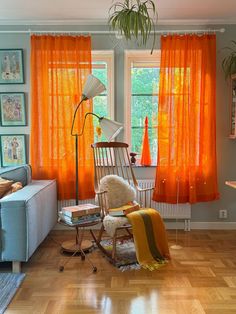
96 11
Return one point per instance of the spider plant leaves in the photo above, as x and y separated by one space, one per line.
133 19
229 62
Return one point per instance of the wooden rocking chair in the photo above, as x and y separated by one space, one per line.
113 159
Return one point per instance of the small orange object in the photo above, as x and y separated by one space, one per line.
98 131
146 155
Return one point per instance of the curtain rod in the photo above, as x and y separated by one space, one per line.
166 31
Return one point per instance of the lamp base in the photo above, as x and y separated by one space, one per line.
72 247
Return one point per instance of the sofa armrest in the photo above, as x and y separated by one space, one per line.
18 173
26 218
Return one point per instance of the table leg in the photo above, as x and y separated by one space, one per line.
72 246
79 248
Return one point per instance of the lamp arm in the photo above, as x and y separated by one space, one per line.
76 146
85 117
73 121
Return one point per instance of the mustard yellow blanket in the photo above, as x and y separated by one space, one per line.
149 238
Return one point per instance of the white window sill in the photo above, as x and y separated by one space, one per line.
141 166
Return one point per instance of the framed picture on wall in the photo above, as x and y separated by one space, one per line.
12 109
13 149
11 66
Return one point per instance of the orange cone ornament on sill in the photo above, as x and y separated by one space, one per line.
146 155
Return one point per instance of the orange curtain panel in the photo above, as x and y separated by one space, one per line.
186 163
59 68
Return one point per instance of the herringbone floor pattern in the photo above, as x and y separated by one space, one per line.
201 278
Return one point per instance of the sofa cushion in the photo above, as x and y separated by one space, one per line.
17 174
5 186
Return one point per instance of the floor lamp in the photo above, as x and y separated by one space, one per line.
110 128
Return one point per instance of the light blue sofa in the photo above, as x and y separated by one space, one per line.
26 216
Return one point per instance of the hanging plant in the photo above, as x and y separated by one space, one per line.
134 18
229 62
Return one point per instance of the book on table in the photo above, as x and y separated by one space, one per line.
80 220
80 210
124 210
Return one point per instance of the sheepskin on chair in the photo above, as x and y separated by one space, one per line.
119 193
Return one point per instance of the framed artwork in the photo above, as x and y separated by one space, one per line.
13 150
12 108
11 66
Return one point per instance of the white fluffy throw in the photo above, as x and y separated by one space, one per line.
112 223
119 192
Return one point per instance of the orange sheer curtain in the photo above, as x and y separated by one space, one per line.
186 165
59 68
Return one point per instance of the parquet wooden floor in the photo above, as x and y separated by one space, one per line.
201 278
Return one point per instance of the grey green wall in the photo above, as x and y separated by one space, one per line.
226 148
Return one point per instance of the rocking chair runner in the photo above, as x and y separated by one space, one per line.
113 159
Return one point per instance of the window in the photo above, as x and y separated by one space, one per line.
142 85
103 104
102 68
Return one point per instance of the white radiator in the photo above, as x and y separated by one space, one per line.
167 211
170 211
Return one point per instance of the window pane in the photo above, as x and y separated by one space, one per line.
62 77
100 107
145 80
136 140
100 102
100 71
141 107
144 102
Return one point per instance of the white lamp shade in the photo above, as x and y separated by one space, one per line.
93 87
110 128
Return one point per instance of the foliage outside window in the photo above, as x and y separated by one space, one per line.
142 77
102 68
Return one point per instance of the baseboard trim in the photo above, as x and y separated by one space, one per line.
202 225
214 225
211 225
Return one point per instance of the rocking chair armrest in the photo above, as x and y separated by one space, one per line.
145 196
144 189
100 192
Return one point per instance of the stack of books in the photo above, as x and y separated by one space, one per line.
80 214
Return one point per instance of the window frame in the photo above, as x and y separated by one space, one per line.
130 57
108 57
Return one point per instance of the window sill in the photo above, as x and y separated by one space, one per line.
140 166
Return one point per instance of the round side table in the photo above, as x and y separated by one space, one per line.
79 245
72 246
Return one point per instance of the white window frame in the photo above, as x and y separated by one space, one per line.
108 57
130 57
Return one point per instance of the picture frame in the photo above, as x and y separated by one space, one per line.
12 109
11 66
13 149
